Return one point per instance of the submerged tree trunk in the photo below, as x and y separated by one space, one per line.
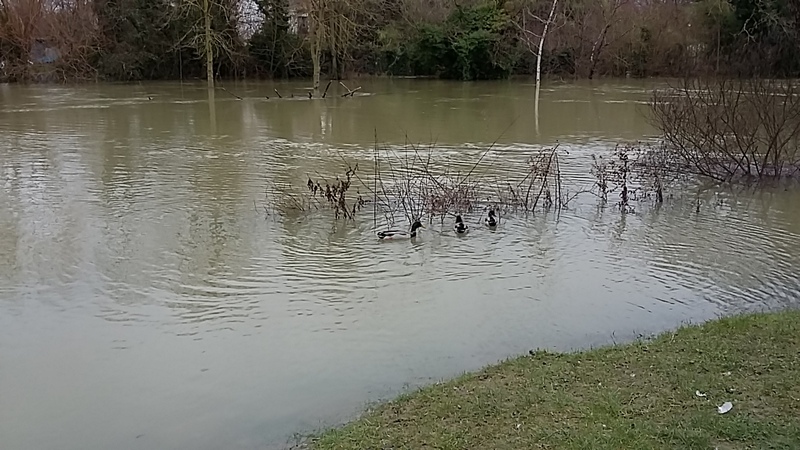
333 27
212 111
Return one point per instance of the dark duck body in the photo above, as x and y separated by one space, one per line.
460 227
400 234
491 220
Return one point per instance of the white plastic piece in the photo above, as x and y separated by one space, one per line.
727 406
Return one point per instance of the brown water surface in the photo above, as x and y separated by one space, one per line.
147 300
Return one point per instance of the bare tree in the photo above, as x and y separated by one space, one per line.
207 44
204 37
333 27
317 34
729 129
608 13
534 36
534 41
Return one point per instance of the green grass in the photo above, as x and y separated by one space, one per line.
635 396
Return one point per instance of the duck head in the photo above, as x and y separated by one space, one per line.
491 213
458 219
416 225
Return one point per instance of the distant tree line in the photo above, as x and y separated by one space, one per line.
459 39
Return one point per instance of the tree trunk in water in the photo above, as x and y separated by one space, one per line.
316 16
209 49
212 111
539 62
334 63
536 108
315 60
334 56
541 45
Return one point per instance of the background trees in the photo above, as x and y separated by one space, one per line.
467 39
46 40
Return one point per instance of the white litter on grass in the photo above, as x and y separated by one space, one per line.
700 394
727 406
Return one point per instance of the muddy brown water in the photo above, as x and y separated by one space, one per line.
148 301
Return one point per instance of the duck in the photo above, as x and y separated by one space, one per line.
491 220
460 226
399 234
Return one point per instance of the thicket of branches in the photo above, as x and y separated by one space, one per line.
728 129
467 39
404 185
28 28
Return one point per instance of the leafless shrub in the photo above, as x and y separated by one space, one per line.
600 171
731 129
410 186
318 194
286 201
406 186
542 184
616 172
621 176
655 168
335 195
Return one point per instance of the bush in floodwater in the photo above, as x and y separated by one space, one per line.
408 186
614 173
319 194
636 172
729 129
541 186
335 194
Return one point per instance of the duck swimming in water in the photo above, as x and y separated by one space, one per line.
399 234
460 226
491 220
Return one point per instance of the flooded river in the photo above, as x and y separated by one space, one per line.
147 299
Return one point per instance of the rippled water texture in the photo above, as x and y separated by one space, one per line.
148 301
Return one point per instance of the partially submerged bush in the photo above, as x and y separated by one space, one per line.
731 128
407 187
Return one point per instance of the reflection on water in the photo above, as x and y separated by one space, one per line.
148 301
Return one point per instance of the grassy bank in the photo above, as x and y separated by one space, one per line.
637 396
